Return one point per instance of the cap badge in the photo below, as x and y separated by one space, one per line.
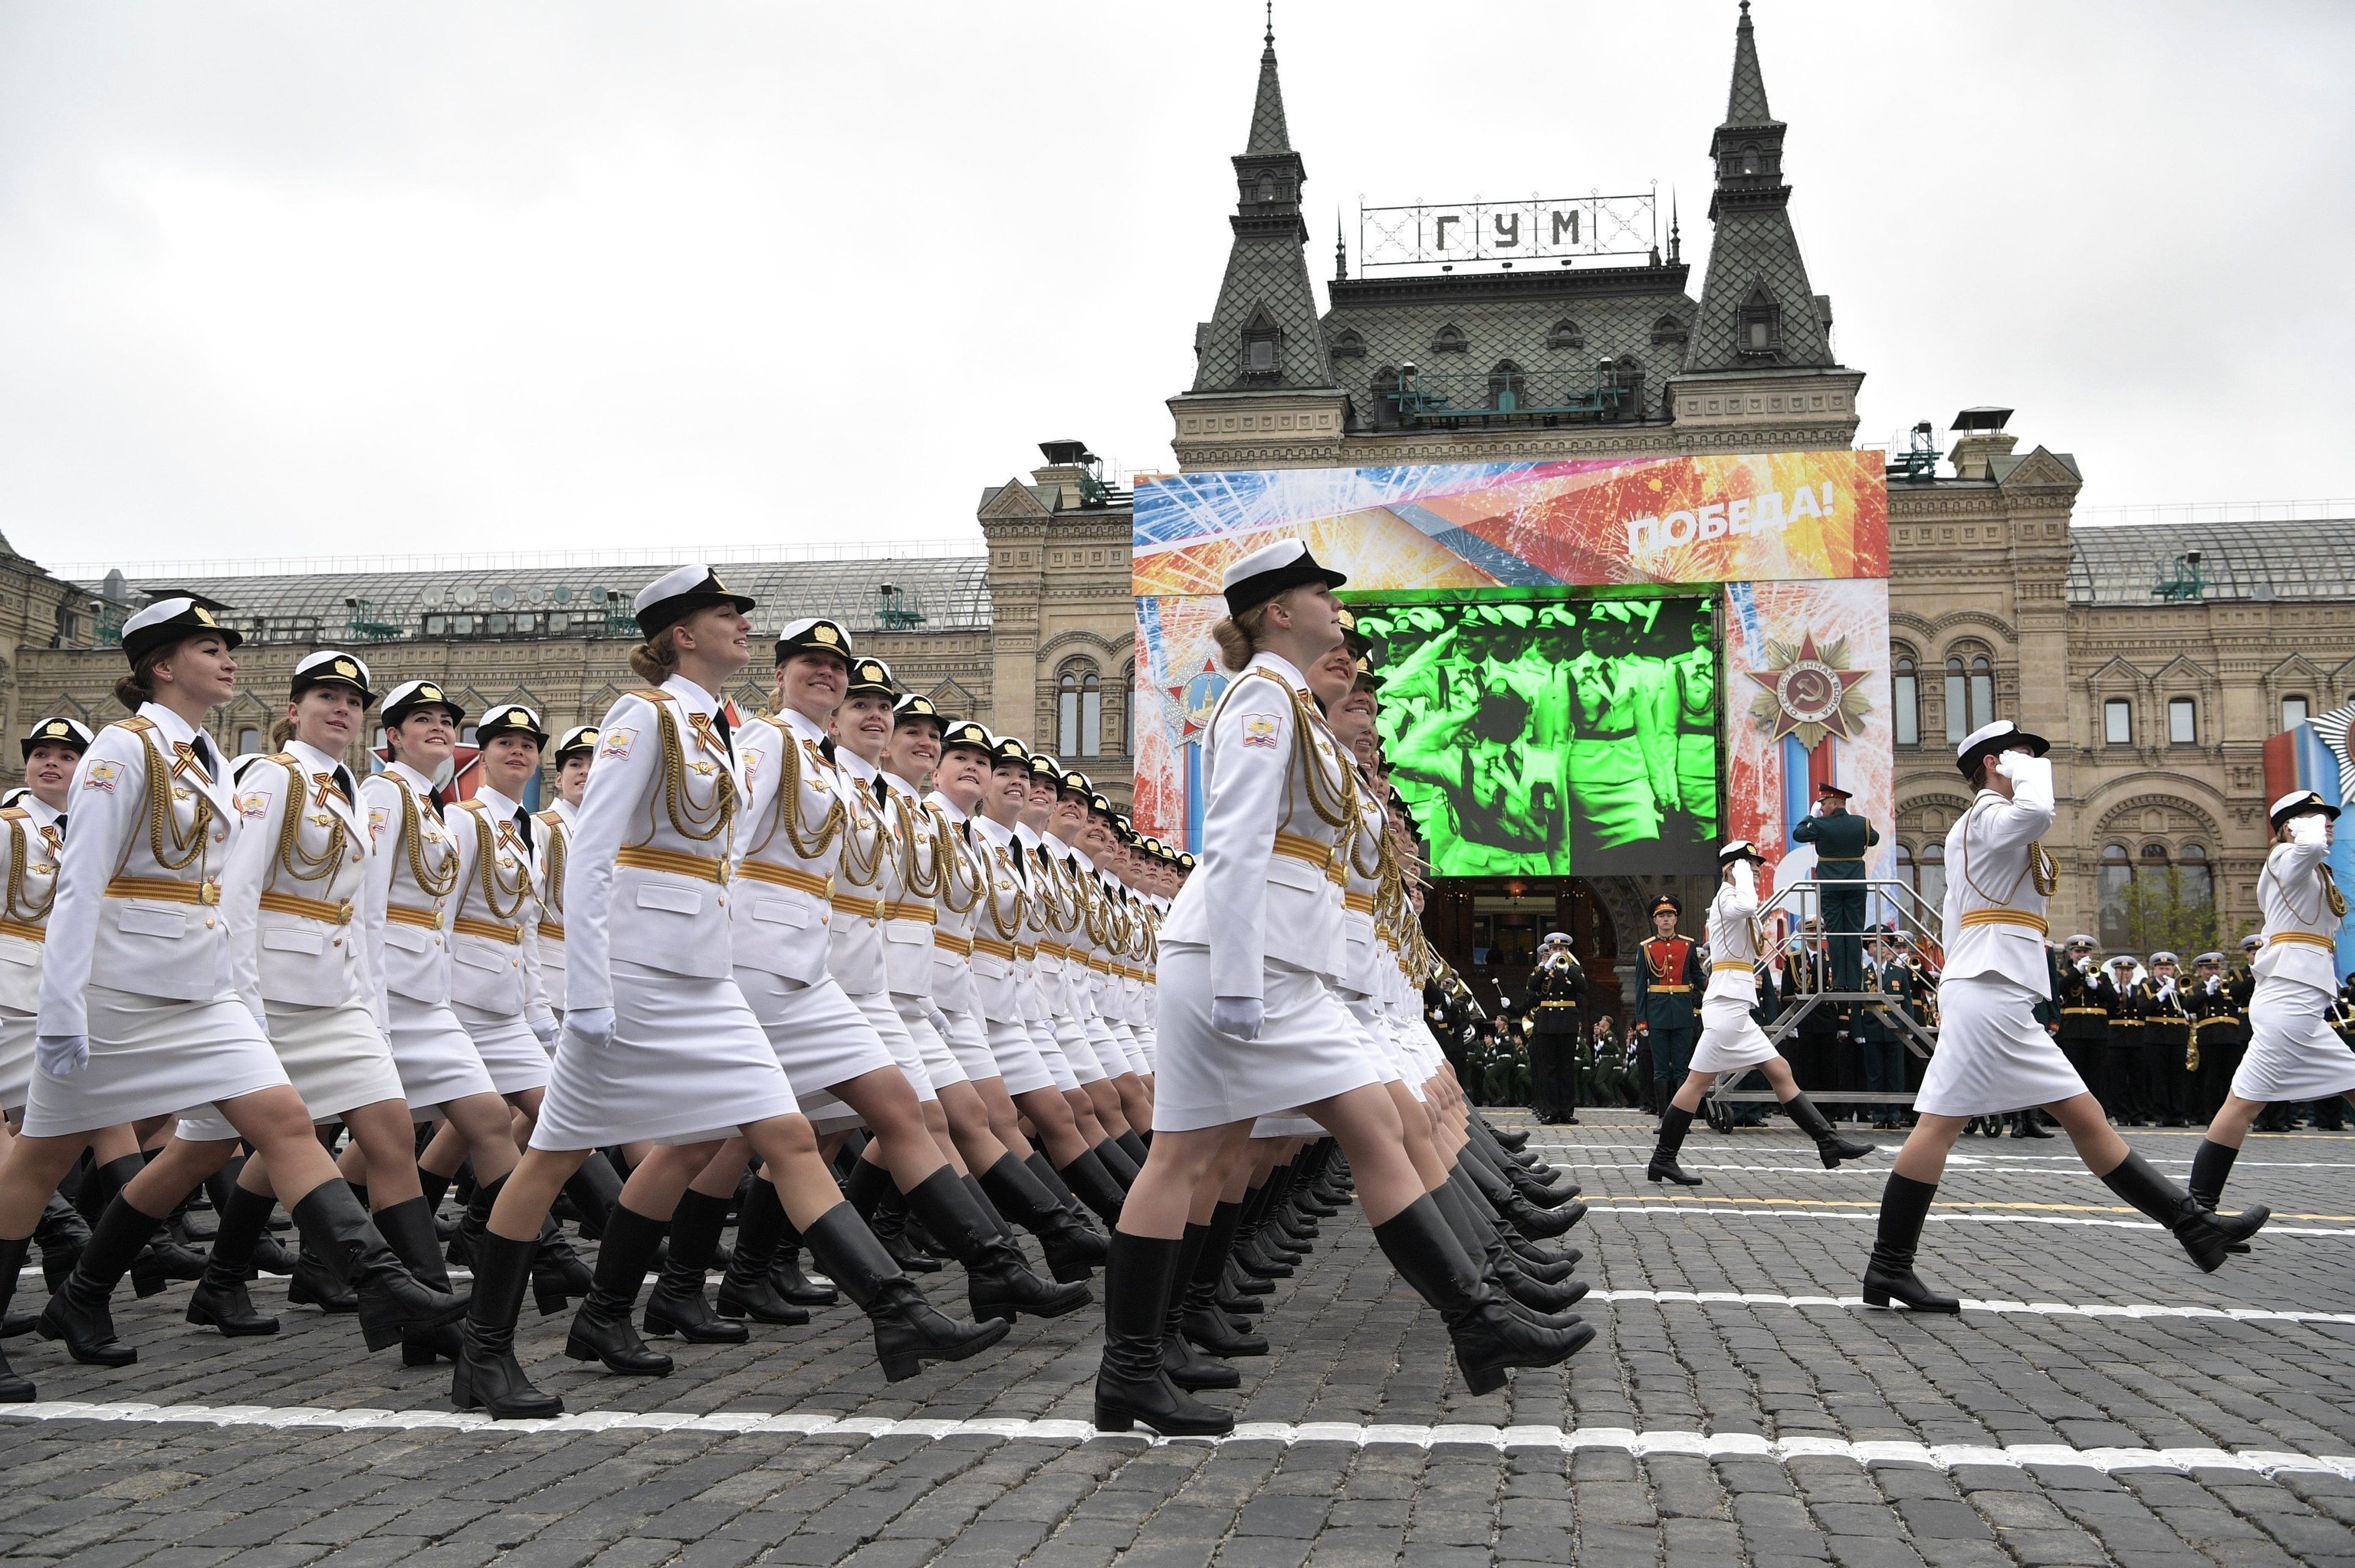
203 617
822 632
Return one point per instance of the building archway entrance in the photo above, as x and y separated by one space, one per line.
1488 928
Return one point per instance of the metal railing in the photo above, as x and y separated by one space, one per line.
1910 929
1448 398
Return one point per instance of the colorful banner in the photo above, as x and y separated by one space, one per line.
2320 754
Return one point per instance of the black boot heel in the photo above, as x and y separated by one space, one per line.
391 1297
1133 1382
909 1332
487 1376
1889 1275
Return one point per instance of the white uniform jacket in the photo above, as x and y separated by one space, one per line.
557 821
297 883
963 881
2301 926
1994 916
646 881
863 874
1734 939
138 888
792 834
412 871
997 925
30 842
1039 926
910 910
494 912
1265 891
1365 862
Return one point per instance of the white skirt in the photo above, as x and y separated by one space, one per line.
2293 1054
435 1055
687 1060
969 1042
1144 1043
1310 1048
1050 1056
511 1052
1110 1053
332 1055
1071 1039
1729 1038
17 1033
151 1055
1992 1056
940 1064
884 1018
820 1036
1016 1057
1382 1050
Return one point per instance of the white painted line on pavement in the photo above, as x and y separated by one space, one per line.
1672 1210
2008 1308
1616 1439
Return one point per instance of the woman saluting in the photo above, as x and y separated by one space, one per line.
138 905
658 1043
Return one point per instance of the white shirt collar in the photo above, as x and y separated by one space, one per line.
417 780
858 767
998 834
313 759
899 786
946 807
176 730
799 722
1081 856
41 812
564 812
1028 834
1278 665
691 697
499 805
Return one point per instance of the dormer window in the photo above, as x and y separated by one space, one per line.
1261 345
1267 187
1260 354
1565 334
1758 327
1449 339
1347 345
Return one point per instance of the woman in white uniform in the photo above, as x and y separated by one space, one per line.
297 870
658 1043
138 901
1045 931
1993 1057
1730 1040
1251 1024
2294 1054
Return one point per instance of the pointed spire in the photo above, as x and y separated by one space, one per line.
1340 244
1676 236
1745 102
1268 131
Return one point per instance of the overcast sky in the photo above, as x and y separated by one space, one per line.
371 278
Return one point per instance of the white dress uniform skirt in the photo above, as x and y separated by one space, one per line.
1071 1039
151 1055
969 1043
2293 1054
17 1033
1382 1048
1729 1038
688 1063
820 1036
1992 1056
1020 1062
940 1064
511 1052
1310 1048
1144 1043
884 1018
1125 1038
435 1055
1110 1055
334 1058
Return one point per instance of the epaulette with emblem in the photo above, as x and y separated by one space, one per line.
653 695
550 817
136 724
15 815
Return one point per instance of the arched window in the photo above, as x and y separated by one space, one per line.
1267 187
1347 345
2112 882
249 739
1930 874
1565 334
1906 685
1128 709
1078 711
1504 386
1449 339
1970 693
2195 879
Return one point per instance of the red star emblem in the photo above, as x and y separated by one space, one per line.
1807 691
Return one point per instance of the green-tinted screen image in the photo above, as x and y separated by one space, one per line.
1549 738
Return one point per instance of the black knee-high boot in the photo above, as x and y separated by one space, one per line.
61 1232
1114 1159
2211 1167
1132 1383
746 1290
391 1299
2206 1236
909 1332
1831 1147
1203 1321
1073 1250
676 1305
601 1329
594 1188
1188 1367
998 1282
1133 1145
1487 1251
1675 1122
13 1389
477 1219
487 1376
220 1299
408 1229
1889 1275
77 1313
1488 1336
1095 1186
881 1207
786 1276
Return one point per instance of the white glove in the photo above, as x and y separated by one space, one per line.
62 1055
545 1029
1745 878
593 1026
2313 828
1239 1016
1817 810
936 1018
260 1016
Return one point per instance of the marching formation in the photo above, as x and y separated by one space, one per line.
884 986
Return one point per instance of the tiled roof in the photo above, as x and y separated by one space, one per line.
1268 131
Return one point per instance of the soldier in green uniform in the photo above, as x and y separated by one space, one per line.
1669 982
1841 838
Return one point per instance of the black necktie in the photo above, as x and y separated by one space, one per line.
719 723
439 803
523 831
203 749
60 824
344 782
882 792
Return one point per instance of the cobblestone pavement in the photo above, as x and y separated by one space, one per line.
2102 1401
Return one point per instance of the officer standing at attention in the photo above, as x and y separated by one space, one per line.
1555 989
2085 1021
1841 838
1668 984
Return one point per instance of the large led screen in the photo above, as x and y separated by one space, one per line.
1553 737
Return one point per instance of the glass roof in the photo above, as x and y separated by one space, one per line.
2121 563
947 592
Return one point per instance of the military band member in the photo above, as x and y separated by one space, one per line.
2294 1053
2084 1020
1880 1039
2165 1042
2220 1035
1668 984
1730 1040
1553 997
1993 1057
139 1015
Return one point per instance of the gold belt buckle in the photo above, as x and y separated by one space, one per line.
208 893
